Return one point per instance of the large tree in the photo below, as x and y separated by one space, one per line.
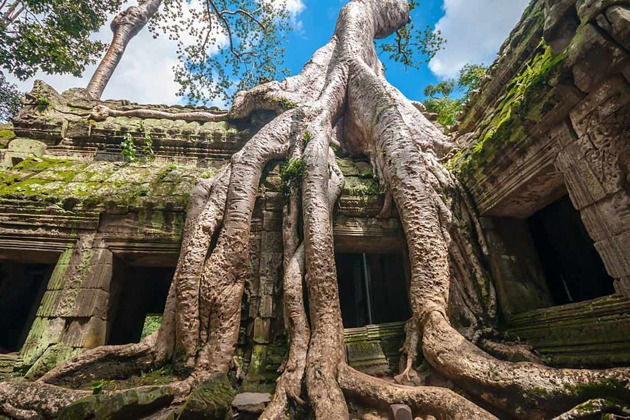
341 97
51 35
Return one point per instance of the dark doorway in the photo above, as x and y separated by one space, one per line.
21 289
139 291
372 289
573 268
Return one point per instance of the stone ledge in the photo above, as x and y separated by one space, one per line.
594 333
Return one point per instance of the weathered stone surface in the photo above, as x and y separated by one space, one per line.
210 400
251 402
619 18
400 412
52 357
130 404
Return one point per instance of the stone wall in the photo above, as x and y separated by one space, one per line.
68 196
552 117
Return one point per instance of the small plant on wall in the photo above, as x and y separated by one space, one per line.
127 149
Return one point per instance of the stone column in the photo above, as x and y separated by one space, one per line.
595 161
73 312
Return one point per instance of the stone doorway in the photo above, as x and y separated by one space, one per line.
138 299
372 288
572 266
22 285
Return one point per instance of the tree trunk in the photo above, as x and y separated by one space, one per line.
125 26
341 97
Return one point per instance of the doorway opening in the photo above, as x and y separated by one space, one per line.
138 297
22 286
573 268
372 289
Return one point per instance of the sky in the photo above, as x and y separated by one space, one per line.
474 30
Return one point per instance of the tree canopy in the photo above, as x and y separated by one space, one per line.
439 99
237 44
9 99
51 35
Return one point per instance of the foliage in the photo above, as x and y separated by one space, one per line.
151 324
439 96
147 145
224 45
97 387
51 35
9 99
127 149
229 45
291 173
412 46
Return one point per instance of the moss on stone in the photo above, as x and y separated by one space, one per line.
6 135
611 388
133 403
524 100
75 186
210 400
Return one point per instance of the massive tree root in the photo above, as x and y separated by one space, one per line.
340 98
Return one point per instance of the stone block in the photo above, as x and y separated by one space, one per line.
560 23
52 357
265 309
615 253
85 332
588 9
604 101
91 303
272 221
129 404
44 333
100 276
562 134
400 412
622 286
593 59
48 304
210 400
271 242
262 330
251 402
610 216
20 149
584 187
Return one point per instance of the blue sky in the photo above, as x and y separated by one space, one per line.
474 30
319 18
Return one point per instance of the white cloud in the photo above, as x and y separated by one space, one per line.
145 73
474 30
295 7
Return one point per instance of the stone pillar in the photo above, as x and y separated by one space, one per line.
264 287
73 312
595 161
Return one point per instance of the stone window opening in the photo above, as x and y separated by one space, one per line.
372 288
22 286
138 298
571 265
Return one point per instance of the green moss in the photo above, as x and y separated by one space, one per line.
211 400
291 173
6 135
526 96
76 186
283 102
610 388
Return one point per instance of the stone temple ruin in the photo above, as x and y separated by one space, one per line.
89 242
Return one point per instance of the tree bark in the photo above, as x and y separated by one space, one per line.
125 26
